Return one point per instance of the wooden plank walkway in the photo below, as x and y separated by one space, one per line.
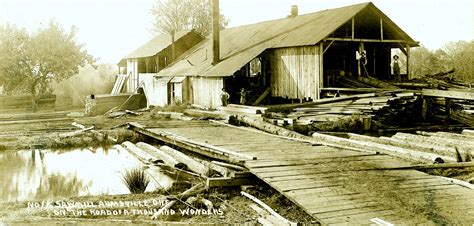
338 186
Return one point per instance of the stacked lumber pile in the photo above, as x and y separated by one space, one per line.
242 109
402 110
449 147
105 102
387 106
455 104
25 102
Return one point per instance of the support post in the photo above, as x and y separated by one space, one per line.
408 62
321 71
352 24
381 29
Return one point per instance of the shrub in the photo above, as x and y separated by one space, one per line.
136 180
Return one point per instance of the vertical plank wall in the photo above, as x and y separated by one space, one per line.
206 91
132 72
295 72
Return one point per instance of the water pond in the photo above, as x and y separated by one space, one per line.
56 174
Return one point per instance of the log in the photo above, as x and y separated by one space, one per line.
468 132
75 133
266 207
404 144
260 124
435 140
377 83
381 148
192 164
221 170
142 155
157 153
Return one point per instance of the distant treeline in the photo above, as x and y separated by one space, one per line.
458 55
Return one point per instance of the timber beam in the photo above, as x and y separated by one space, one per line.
463 95
371 40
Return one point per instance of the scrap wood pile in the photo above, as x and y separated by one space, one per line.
441 80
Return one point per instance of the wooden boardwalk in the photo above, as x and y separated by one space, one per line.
339 186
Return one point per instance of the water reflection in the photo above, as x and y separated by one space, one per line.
46 174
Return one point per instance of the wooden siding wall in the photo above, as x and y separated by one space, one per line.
206 91
132 72
295 72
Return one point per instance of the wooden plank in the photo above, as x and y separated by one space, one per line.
289 162
318 165
228 181
364 216
464 95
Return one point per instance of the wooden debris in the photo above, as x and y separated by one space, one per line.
376 83
266 207
196 189
227 165
75 133
229 181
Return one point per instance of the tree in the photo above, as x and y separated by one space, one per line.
30 61
176 15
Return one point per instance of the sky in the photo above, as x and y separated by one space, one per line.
110 29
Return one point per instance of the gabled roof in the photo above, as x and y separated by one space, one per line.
155 45
240 45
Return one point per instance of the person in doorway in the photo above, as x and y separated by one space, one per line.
224 97
396 68
243 96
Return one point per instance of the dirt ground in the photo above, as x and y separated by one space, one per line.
33 133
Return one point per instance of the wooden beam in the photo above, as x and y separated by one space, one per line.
370 40
327 47
228 181
432 166
353 26
321 71
381 29
464 95
408 62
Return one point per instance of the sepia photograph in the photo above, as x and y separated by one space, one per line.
236 112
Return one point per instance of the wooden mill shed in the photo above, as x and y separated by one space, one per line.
297 56
141 65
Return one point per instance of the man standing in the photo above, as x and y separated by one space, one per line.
224 97
396 68
243 96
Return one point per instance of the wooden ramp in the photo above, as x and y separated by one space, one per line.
339 186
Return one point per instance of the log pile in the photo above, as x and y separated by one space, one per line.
449 147
177 163
25 103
